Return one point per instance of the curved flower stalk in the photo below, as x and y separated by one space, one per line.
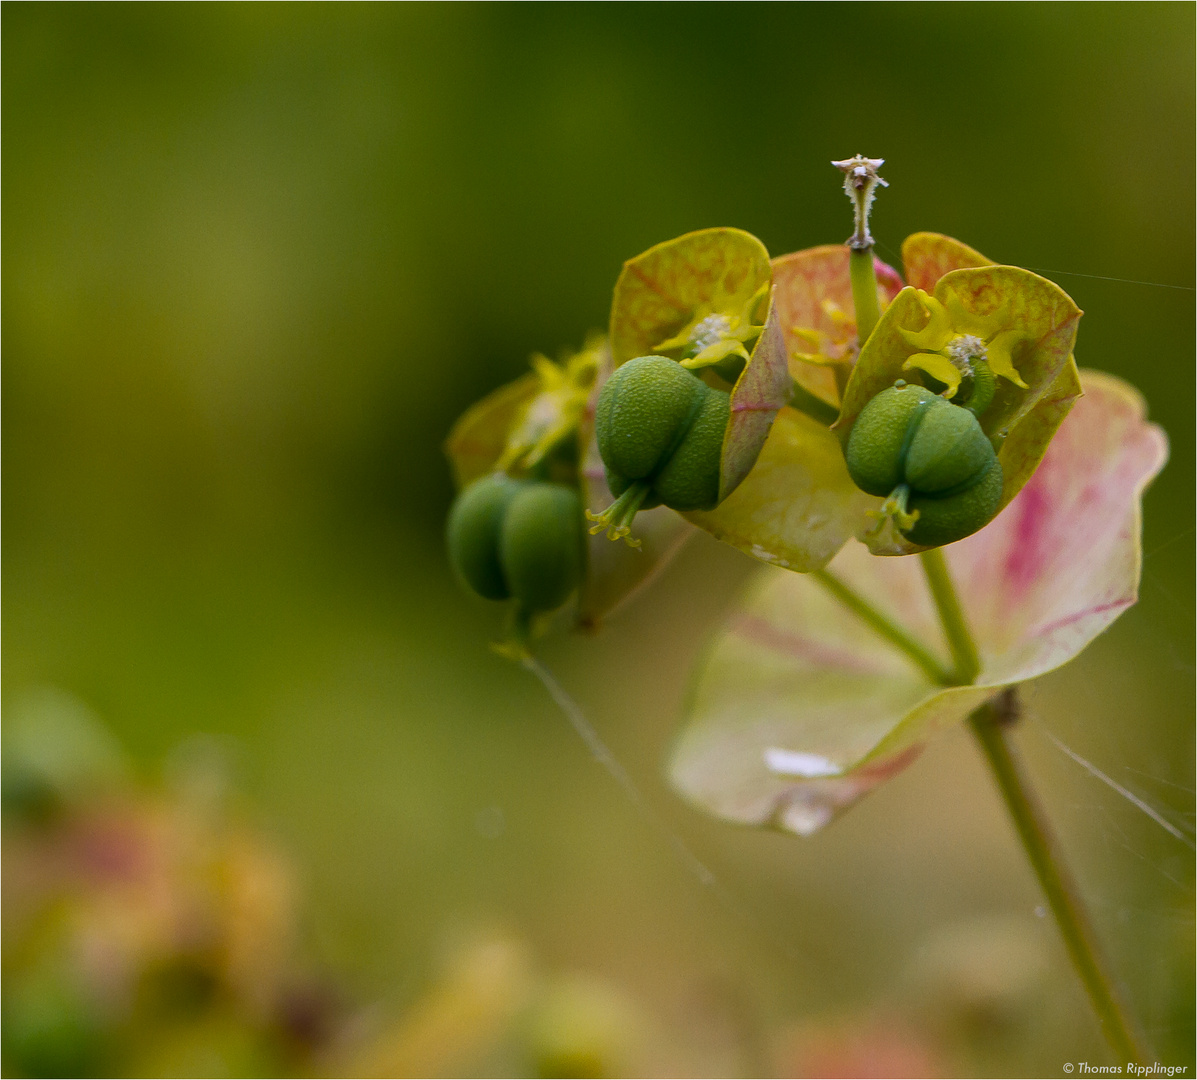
542 424
801 707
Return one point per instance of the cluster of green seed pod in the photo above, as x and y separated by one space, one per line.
518 539
660 432
930 459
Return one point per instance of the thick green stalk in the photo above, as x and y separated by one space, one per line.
814 407
886 627
990 724
951 616
991 721
864 290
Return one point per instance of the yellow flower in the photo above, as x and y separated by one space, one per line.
955 340
714 334
838 347
556 410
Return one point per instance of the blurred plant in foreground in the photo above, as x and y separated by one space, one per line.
146 932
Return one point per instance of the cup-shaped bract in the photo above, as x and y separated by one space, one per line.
706 298
798 506
1025 319
927 256
800 707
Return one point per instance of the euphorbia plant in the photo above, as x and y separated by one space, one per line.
791 408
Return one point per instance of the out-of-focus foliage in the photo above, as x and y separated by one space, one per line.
256 260
146 933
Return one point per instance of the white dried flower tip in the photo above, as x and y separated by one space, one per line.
860 183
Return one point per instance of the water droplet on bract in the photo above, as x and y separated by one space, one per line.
804 818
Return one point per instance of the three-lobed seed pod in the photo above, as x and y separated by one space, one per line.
929 455
518 538
660 427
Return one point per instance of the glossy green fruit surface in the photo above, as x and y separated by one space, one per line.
876 452
659 424
950 518
909 437
473 531
542 546
518 538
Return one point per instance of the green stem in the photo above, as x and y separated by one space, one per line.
951 616
990 724
886 627
864 290
814 407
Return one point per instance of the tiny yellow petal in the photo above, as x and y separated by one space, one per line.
551 376
677 341
813 337
938 331
999 358
712 354
837 314
750 309
938 367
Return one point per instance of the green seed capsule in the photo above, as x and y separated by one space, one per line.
877 445
642 414
660 432
953 517
472 534
542 546
518 538
947 449
929 455
689 480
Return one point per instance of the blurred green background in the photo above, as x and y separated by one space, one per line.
257 258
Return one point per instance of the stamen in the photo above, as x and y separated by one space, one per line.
710 331
893 509
617 518
966 348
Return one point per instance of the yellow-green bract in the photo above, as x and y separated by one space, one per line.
1027 320
705 299
799 505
